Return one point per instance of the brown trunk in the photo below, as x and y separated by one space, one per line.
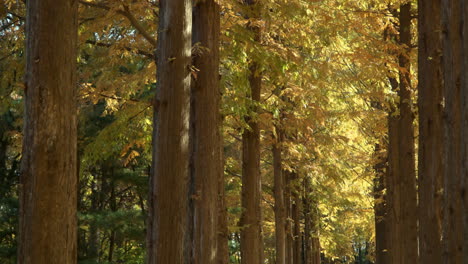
296 209
464 126
408 204
223 233
251 221
452 224
311 233
280 210
430 102
168 222
48 188
206 163
289 222
380 208
393 187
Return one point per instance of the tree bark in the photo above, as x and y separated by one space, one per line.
168 222
380 208
296 209
464 126
48 188
311 231
451 41
430 102
408 204
392 184
206 160
280 210
289 222
251 221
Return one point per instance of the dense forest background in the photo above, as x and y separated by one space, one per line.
337 109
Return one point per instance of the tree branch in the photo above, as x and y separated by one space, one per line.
108 45
126 13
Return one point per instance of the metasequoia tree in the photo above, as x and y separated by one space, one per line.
464 125
380 207
401 178
168 232
452 22
206 160
430 103
311 225
48 198
280 210
407 172
251 221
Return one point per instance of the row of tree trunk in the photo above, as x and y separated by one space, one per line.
187 185
438 222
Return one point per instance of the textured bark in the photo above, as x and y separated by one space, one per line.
280 210
452 223
168 222
407 175
223 232
48 188
251 219
206 161
392 184
464 126
380 208
311 231
296 214
289 222
430 103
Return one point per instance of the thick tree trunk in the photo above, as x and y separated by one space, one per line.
311 231
206 160
251 220
380 208
289 222
168 222
452 223
464 126
392 184
48 189
430 102
296 214
251 234
280 210
408 204
223 232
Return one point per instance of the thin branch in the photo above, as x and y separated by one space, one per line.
120 98
126 13
108 45
137 114
138 26
6 26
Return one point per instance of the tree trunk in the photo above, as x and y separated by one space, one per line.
251 221
48 189
296 209
289 222
206 163
311 233
280 210
408 204
168 222
464 126
430 102
393 186
380 208
223 233
452 223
